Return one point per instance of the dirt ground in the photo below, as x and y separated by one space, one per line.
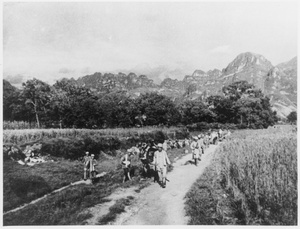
157 206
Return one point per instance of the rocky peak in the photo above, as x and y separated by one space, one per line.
171 83
289 64
120 81
199 73
248 60
189 79
214 73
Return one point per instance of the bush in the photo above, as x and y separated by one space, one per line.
204 126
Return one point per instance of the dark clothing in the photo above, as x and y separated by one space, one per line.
150 154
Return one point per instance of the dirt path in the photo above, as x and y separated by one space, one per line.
157 206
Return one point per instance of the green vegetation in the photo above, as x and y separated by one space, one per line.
22 184
292 117
63 208
68 105
137 134
252 181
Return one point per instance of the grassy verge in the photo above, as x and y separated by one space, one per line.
64 208
207 202
23 184
251 181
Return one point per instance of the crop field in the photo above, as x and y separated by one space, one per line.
29 135
255 181
15 125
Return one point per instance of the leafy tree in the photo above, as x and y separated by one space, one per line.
74 106
10 98
243 104
235 90
37 95
292 117
14 107
118 109
193 111
222 107
158 109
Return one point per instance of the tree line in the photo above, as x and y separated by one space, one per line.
68 105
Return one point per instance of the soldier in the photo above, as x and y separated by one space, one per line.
161 161
126 164
165 145
201 145
205 141
86 164
93 163
144 160
195 150
151 149
220 134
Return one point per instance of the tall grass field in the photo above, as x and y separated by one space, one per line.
252 181
27 135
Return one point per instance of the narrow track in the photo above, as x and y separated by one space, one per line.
157 206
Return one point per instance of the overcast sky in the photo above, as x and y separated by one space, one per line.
53 40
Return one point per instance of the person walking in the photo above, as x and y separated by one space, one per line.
93 163
161 161
145 161
206 140
126 164
201 145
150 150
195 150
86 165
165 145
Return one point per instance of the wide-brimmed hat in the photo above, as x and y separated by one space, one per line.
159 145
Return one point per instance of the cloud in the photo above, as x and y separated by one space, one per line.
221 49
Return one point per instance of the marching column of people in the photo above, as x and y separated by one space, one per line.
154 157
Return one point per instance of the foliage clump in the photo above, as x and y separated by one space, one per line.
69 105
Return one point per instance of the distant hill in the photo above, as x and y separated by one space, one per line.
278 82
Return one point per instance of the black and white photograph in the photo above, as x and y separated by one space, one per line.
149 113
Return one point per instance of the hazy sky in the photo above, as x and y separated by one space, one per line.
55 40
